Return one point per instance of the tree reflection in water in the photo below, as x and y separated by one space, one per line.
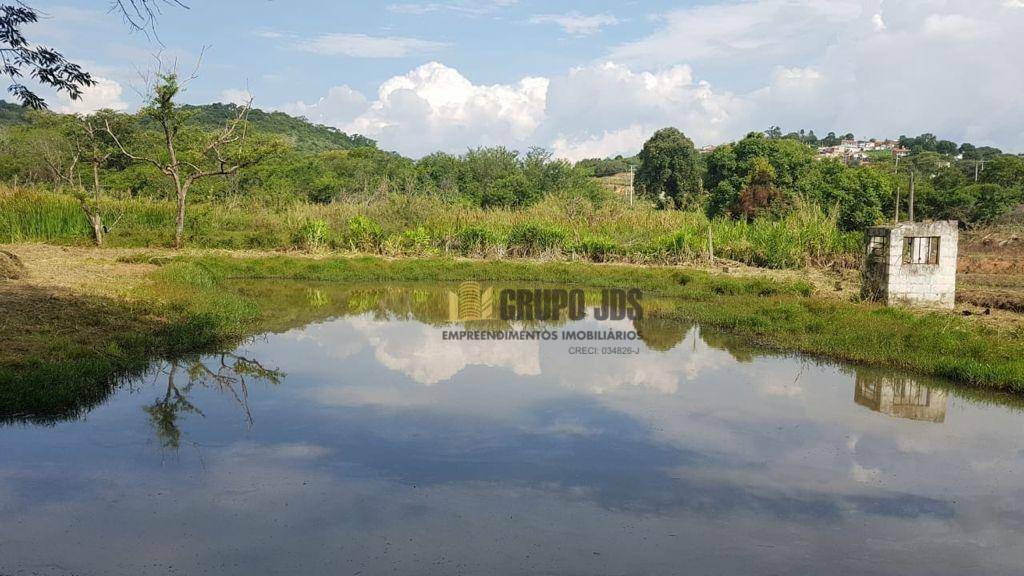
228 372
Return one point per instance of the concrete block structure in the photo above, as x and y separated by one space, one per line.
911 264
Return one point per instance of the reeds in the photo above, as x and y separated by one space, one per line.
558 227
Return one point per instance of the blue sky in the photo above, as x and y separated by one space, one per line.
580 78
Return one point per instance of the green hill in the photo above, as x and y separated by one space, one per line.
304 135
12 114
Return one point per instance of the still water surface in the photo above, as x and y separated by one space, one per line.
355 440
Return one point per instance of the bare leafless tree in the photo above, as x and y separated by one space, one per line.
141 15
189 155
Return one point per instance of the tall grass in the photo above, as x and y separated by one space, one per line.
409 225
41 217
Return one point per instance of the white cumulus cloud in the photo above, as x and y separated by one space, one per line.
105 94
339 107
608 109
421 354
434 107
235 96
874 68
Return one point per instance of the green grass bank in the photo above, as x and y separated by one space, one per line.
84 347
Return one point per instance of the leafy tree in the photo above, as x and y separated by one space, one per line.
971 204
946 147
760 192
924 143
606 166
971 152
721 177
94 145
43 152
368 172
510 190
670 168
18 56
482 168
789 158
730 169
992 201
860 196
949 178
928 163
1006 171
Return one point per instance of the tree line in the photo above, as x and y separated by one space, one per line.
766 174
220 152
224 152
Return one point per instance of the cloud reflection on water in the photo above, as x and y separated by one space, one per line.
385 448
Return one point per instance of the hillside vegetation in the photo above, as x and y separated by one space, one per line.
254 179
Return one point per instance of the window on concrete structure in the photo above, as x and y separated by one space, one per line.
921 250
878 248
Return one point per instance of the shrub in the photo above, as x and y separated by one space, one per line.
313 235
416 241
596 248
687 242
363 233
531 239
476 238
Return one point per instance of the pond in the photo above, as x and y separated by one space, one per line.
360 437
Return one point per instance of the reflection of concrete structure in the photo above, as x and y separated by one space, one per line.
470 303
913 263
900 397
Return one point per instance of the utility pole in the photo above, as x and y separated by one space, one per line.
910 212
896 216
978 163
711 246
632 176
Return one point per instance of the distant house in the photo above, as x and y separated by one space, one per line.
848 150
